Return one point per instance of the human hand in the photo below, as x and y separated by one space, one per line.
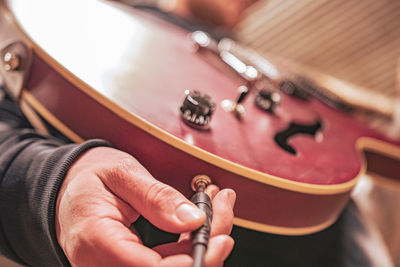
106 190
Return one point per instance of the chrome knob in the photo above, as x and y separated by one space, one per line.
267 100
197 109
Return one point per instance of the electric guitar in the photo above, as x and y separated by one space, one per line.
98 69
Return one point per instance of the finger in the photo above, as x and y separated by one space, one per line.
176 260
161 204
223 204
174 248
184 236
109 243
218 250
106 242
212 190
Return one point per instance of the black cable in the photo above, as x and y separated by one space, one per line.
201 235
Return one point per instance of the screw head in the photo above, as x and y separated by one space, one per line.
11 61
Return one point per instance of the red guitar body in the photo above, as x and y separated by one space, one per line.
113 73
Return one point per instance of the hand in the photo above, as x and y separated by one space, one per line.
106 190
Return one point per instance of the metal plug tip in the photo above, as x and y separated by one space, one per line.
200 180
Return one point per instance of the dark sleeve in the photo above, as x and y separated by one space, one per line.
32 168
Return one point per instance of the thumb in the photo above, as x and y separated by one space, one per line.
159 203
168 209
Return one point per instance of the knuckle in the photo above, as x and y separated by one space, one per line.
123 165
222 224
117 172
127 163
159 193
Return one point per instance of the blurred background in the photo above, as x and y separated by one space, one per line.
357 41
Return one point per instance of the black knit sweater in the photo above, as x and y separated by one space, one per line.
32 168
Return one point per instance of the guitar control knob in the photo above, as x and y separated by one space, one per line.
197 109
267 100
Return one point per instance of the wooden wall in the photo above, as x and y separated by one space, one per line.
354 40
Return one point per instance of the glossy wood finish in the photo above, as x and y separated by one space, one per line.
123 79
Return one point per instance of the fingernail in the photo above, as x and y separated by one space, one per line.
231 196
187 213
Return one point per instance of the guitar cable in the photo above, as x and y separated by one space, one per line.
200 236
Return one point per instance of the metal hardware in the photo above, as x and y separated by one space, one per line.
200 180
197 109
203 41
15 64
249 74
267 100
235 106
293 89
11 61
201 236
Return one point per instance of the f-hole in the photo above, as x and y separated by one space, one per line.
282 137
